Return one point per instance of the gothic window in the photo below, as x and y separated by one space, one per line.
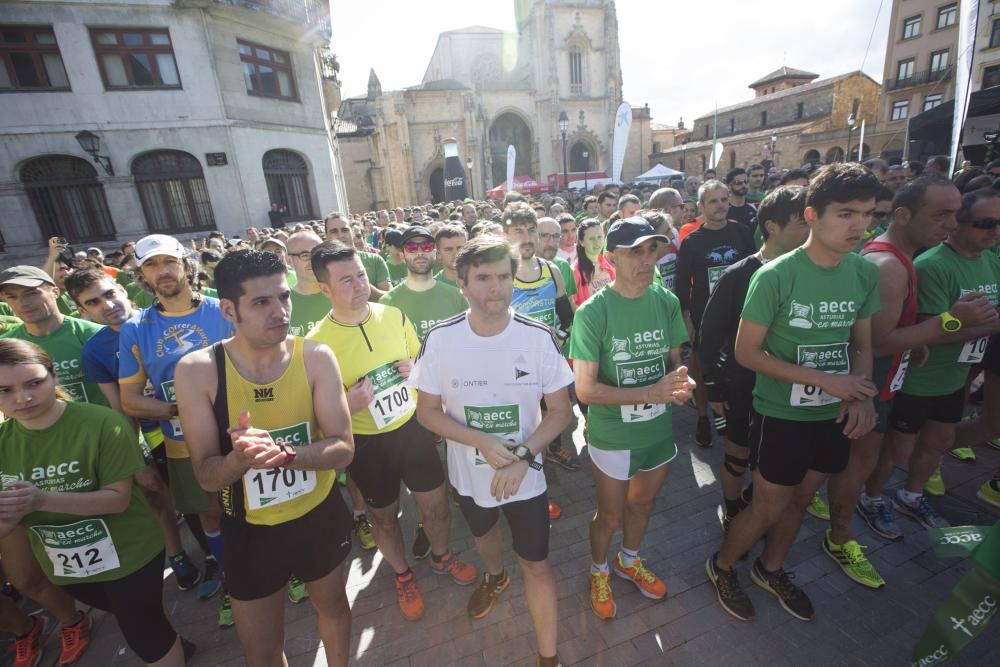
575 71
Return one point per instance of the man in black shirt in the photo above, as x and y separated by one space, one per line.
730 386
740 209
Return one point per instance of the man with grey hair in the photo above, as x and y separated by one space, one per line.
691 185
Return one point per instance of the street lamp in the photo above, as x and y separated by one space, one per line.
468 177
91 143
563 128
586 171
851 121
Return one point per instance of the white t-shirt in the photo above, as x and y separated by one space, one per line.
493 385
569 256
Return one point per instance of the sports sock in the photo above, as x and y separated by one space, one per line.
908 497
603 567
628 556
868 501
358 513
214 541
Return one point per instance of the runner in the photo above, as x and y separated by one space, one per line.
931 402
755 183
567 239
729 386
394 261
549 235
447 242
91 530
625 347
497 415
592 271
149 347
375 345
338 228
740 210
266 421
805 330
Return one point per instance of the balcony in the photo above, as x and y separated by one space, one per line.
920 78
313 14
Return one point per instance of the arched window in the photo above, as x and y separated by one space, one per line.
173 192
67 198
287 176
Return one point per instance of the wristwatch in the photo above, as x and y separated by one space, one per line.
525 454
289 455
950 323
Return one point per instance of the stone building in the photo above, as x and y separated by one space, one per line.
205 111
489 89
792 119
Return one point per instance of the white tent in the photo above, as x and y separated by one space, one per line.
658 172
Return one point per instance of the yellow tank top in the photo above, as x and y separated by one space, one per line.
284 408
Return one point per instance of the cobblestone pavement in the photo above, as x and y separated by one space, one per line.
854 625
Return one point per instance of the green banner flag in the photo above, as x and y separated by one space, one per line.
956 540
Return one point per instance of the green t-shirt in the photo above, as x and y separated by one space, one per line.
210 291
307 311
89 447
66 305
808 311
123 278
630 340
293 279
567 275
138 295
943 276
397 272
425 309
64 345
8 320
375 268
441 278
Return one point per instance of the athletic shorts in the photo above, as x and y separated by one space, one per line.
136 602
259 559
910 413
623 464
382 460
528 521
784 450
882 411
991 361
185 492
738 409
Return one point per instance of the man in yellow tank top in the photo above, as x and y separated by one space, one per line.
267 425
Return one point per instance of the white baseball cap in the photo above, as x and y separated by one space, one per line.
157 244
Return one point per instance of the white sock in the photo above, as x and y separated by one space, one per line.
908 497
628 556
603 568
869 501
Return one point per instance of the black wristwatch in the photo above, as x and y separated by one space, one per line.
525 454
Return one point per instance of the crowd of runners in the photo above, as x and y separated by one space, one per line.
827 325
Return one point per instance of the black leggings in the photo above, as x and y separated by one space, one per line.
136 602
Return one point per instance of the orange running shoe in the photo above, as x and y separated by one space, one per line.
461 572
28 649
75 640
554 511
648 583
601 600
408 596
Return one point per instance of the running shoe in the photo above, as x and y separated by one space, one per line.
408 596
11 592
732 597
881 518
225 611
935 483
212 581
74 640
363 531
818 508
779 584
921 511
296 590
554 511
964 454
703 433
601 600
851 559
28 649
562 457
421 545
650 585
187 573
485 595
461 573
994 443
990 493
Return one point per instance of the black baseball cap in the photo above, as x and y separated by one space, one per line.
630 232
394 237
414 232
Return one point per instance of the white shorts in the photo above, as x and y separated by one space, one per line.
623 464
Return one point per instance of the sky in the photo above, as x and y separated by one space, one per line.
681 57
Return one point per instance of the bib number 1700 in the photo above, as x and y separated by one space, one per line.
390 402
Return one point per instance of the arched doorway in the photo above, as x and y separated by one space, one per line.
67 198
510 130
287 177
835 154
577 161
437 185
173 192
811 157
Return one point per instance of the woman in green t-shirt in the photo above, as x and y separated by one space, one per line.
67 475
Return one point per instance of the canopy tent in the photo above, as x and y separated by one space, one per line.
523 184
930 131
658 172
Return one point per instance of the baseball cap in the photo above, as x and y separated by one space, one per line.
25 276
273 240
157 244
416 231
394 237
630 232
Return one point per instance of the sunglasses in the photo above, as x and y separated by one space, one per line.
422 246
988 224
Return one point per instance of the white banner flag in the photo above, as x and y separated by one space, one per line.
623 122
511 160
861 143
968 13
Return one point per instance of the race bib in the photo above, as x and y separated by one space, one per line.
267 488
642 412
897 379
973 351
393 397
77 391
714 273
503 421
831 358
80 549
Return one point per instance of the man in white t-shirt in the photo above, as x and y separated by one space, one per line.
491 416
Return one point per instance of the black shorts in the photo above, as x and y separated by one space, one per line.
136 602
259 559
991 361
382 460
528 521
739 405
910 413
784 450
159 456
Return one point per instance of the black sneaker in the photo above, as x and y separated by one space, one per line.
728 589
485 595
792 598
421 545
559 455
187 573
703 433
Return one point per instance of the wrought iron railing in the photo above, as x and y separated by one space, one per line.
919 78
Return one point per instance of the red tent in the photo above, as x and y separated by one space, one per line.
523 184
